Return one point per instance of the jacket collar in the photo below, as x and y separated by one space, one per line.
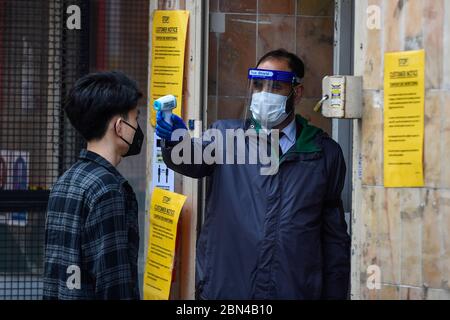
305 140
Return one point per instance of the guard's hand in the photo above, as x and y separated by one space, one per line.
165 130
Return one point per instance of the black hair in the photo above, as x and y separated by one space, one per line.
295 63
96 98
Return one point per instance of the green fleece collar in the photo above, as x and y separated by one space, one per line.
305 142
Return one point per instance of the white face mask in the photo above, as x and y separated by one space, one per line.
269 109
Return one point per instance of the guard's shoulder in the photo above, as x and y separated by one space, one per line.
331 148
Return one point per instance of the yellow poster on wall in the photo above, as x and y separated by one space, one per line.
167 59
404 108
164 213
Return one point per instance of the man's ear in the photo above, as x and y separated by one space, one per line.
118 125
298 91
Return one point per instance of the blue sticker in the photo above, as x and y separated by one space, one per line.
274 75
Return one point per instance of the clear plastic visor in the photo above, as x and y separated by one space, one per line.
268 91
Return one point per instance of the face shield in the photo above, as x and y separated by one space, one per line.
270 98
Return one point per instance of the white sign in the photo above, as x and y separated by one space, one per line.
162 177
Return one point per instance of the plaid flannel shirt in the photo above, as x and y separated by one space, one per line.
92 235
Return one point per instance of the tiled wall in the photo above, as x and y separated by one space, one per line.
242 31
406 231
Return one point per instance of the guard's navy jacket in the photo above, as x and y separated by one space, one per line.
279 236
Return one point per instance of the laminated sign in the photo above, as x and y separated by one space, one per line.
167 59
404 109
165 210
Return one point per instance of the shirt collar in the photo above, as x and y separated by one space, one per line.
290 131
94 157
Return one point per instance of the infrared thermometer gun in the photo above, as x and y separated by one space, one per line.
166 104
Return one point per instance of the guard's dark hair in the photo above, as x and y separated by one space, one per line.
96 98
295 63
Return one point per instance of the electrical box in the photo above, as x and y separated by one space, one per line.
342 97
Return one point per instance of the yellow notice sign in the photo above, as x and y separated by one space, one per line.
404 91
168 47
164 213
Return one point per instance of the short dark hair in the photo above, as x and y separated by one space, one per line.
295 63
96 98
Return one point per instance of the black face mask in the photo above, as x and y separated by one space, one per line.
136 145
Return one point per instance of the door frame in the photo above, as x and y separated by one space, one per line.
342 130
